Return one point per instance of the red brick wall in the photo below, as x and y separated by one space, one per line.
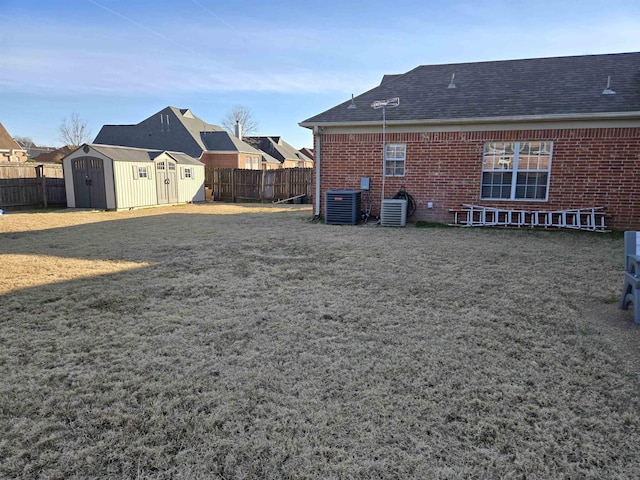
589 168
222 160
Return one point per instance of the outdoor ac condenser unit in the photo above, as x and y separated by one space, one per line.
393 213
342 207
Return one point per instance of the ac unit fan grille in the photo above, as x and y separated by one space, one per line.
393 213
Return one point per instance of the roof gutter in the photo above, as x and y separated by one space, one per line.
485 120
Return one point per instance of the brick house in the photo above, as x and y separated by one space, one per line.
537 134
276 147
10 150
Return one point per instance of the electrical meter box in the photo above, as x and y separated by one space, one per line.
364 183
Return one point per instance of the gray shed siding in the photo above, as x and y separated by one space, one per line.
124 186
131 190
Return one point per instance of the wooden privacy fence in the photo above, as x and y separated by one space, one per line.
236 184
25 186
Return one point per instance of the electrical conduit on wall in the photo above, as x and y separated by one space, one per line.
316 132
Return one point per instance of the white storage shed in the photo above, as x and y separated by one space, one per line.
116 178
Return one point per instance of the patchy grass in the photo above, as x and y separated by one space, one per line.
217 341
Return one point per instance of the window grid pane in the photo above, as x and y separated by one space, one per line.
395 155
532 160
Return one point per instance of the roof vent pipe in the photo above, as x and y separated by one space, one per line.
608 91
452 83
238 129
352 105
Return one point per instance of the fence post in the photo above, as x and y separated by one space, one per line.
233 185
44 189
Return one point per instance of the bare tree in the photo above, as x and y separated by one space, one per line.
242 115
74 131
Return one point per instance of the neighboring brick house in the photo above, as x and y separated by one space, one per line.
10 150
535 134
288 156
55 156
228 151
308 152
179 130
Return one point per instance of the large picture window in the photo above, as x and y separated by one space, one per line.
516 170
395 157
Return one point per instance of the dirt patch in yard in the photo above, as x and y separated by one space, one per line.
243 341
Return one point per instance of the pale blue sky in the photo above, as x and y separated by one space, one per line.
118 62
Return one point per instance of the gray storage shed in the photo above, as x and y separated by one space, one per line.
116 178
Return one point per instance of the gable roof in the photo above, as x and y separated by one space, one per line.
539 88
172 129
308 152
7 142
277 148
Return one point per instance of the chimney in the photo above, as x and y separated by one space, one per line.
238 130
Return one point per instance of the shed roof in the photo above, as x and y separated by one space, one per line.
132 154
560 87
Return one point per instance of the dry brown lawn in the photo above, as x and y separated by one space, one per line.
244 342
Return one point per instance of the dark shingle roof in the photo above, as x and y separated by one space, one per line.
223 141
169 129
534 88
277 148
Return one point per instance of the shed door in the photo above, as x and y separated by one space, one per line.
88 182
167 182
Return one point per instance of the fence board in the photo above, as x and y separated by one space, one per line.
21 186
231 184
50 170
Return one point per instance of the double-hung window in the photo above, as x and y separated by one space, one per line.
395 158
516 170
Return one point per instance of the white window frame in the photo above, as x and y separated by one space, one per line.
187 172
509 163
143 172
395 159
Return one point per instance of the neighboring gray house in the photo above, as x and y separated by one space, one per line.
288 156
179 130
174 129
113 177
